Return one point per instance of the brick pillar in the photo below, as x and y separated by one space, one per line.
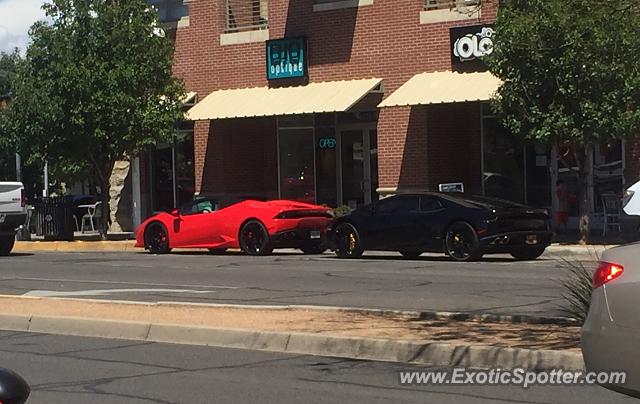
200 145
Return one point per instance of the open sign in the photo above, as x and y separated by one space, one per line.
327 143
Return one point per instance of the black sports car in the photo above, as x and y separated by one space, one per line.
462 226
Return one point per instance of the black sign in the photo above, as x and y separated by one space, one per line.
286 58
469 45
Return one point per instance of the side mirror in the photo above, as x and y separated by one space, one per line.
175 212
13 388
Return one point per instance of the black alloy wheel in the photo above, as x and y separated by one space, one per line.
462 243
254 239
6 244
156 239
348 242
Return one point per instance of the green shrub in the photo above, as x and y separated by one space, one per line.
341 211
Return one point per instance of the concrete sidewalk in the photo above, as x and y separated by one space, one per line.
396 338
583 252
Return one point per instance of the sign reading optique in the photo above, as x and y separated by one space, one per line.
286 58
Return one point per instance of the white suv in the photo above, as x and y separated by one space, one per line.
631 203
13 214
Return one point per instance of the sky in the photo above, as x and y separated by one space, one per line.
16 16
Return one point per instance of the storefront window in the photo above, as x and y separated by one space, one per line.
608 171
504 173
297 173
185 180
165 157
326 151
514 169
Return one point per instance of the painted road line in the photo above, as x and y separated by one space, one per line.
121 283
107 292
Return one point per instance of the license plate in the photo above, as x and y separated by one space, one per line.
2 217
314 234
532 239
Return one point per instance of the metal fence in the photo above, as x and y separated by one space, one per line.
247 15
449 4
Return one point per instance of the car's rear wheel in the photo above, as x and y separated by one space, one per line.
462 243
348 242
254 239
157 239
410 254
6 245
527 253
313 249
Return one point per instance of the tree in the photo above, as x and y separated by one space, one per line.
96 87
570 72
8 66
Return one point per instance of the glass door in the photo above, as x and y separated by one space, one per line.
358 166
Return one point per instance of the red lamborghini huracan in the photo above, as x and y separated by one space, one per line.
255 227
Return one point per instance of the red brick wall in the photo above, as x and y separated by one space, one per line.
240 157
453 151
384 40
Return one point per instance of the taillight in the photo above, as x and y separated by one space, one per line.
23 201
606 272
299 214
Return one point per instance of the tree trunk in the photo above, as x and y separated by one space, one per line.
584 159
105 189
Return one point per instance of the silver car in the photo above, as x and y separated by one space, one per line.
611 332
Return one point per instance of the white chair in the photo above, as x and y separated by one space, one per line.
93 212
611 211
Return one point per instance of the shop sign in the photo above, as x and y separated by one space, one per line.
286 58
327 143
471 44
451 187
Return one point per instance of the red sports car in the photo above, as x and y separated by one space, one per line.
253 226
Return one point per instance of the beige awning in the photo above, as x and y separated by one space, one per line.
444 88
334 96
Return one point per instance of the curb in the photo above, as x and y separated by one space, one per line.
128 246
75 246
413 315
410 352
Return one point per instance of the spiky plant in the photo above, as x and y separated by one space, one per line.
577 287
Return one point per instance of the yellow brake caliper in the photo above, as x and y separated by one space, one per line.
352 241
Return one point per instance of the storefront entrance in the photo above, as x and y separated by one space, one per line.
329 159
359 166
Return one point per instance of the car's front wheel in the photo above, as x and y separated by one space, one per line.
462 242
527 253
157 239
6 244
348 242
254 239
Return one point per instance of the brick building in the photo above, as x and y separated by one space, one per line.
342 101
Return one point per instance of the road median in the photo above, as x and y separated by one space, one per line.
555 251
436 342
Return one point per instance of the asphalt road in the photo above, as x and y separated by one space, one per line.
496 285
63 369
